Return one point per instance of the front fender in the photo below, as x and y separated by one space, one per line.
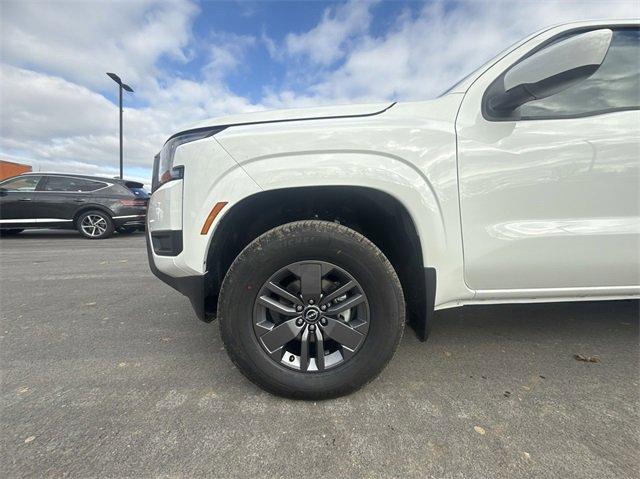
383 172
408 152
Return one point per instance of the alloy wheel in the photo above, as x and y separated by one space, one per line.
94 225
311 316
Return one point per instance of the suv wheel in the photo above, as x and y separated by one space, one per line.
95 225
311 310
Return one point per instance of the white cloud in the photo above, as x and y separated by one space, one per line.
328 41
56 120
226 54
79 40
421 55
54 58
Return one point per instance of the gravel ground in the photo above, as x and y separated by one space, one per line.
106 372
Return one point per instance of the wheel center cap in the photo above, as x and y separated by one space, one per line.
311 314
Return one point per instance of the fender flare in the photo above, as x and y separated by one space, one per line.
380 171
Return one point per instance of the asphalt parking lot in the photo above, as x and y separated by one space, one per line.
106 372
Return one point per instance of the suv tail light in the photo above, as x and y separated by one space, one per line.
163 169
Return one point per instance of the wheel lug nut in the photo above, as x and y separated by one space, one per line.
323 307
311 301
312 328
299 322
299 307
323 321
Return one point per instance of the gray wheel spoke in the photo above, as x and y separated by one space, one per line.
346 353
348 303
304 350
319 350
342 333
311 281
341 291
273 305
94 225
280 335
283 293
298 328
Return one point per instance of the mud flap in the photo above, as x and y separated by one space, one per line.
421 322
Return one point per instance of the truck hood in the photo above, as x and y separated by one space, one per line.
317 113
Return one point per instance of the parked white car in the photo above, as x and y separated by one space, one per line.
312 234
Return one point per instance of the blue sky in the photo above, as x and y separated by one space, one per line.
189 60
275 20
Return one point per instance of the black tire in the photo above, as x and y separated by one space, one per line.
11 232
307 241
127 230
105 223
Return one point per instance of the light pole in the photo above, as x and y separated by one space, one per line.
122 86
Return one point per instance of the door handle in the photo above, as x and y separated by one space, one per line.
24 199
79 200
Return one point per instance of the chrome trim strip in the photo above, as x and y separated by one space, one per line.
128 216
36 220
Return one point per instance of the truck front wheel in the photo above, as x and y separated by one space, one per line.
312 310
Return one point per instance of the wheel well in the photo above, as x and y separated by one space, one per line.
84 209
377 215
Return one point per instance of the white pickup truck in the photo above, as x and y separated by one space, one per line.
313 235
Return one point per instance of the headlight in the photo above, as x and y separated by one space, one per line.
163 169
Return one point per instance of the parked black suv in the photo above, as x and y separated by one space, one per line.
96 207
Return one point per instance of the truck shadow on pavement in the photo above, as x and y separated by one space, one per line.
518 343
541 320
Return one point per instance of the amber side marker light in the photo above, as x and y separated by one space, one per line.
215 211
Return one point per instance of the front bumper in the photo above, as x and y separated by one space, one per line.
178 210
193 287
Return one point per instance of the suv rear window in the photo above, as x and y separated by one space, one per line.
140 192
63 183
137 189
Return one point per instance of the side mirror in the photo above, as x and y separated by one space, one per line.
3 191
551 70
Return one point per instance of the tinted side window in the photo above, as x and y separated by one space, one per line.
26 183
62 183
615 85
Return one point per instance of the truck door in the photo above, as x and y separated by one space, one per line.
549 197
